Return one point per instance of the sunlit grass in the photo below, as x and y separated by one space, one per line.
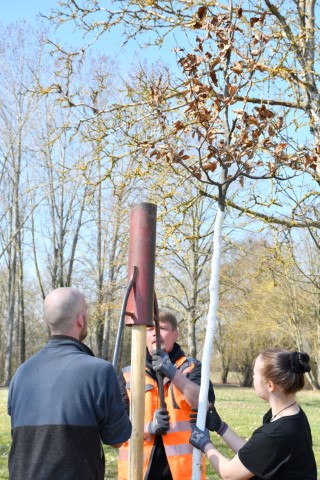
239 407
5 436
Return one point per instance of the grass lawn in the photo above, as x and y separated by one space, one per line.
239 407
5 437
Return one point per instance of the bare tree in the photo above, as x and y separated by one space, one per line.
184 248
17 113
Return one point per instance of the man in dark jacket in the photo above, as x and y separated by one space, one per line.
63 402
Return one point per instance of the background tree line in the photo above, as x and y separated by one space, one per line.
74 157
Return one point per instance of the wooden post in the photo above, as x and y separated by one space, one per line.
137 403
139 315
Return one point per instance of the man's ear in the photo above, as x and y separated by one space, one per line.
80 320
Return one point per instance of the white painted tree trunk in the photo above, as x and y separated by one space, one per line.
210 333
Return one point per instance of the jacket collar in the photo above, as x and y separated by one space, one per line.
64 340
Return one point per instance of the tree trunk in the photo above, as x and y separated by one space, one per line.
210 333
22 327
10 323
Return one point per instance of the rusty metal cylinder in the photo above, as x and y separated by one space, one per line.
142 250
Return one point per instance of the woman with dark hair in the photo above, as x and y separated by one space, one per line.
281 449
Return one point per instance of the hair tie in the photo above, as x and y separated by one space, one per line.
299 362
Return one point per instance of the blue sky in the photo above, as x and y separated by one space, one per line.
28 10
12 10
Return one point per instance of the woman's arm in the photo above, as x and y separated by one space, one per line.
226 469
214 423
233 440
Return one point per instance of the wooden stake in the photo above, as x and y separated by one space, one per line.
137 403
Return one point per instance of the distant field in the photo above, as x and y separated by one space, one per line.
239 407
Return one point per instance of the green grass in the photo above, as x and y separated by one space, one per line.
239 407
5 436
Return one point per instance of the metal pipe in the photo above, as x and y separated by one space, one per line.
139 315
117 346
158 343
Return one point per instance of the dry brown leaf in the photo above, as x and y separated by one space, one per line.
254 20
255 53
210 166
202 12
237 68
280 147
232 89
264 112
178 125
262 18
213 77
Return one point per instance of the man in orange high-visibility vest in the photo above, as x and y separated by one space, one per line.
167 453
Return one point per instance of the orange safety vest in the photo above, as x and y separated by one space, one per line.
176 440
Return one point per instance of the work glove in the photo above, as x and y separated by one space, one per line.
199 438
160 424
213 420
162 363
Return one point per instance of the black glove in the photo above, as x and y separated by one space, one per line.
160 424
162 363
213 420
199 438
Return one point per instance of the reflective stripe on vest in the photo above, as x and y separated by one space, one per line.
181 449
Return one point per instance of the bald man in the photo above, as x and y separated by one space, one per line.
64 402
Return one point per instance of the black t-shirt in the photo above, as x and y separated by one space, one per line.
281 450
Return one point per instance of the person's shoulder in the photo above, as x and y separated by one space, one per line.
99 362
98 370
193 361
187 362
297 422
30 360
26 368
302 414
282 429
93 364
